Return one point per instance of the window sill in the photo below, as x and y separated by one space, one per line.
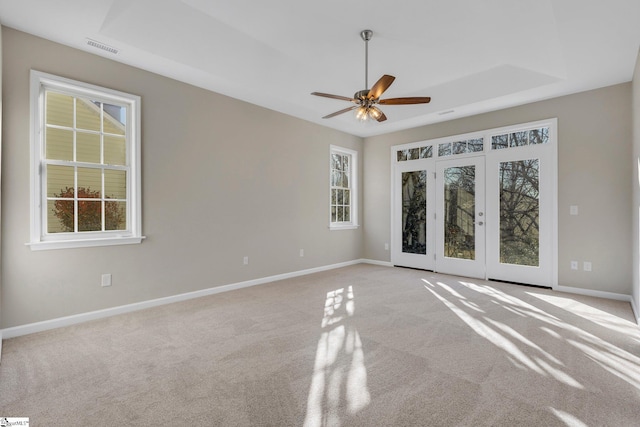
343 227
86 243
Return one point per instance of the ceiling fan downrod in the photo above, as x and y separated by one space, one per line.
366 36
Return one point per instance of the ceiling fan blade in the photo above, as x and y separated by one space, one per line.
340 112
380 86
328 95
377 114
406 101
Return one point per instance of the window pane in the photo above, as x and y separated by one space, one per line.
115 215
88 147
59 109
115 151
115 184
414 212
539 136
345 180
414 153
345 163
334 216
347 214
336 161
114 119
60 181
340 210
460 147
89 183
336 178
334 196
402 155
499 142
89 215
347 197
59 144
340 198
518 139
426 152
459 212
519 212
87 114
475 145
444 149
60 216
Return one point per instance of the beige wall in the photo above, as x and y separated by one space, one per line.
221 179
594 147
635 165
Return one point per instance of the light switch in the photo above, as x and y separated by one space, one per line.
573 210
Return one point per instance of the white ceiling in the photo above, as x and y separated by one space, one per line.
470 56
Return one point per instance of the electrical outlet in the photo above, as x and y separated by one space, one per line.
386 246
574 265
301 252
573 210
106 280
586 266
245 260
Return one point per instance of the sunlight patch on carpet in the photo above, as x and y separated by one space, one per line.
339 381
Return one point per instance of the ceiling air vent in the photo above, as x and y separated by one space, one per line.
102 46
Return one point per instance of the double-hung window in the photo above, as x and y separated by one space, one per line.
85 171
343 188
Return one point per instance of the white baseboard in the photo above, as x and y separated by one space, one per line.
636 313
592 293
99 314
376 262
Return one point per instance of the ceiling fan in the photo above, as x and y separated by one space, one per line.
367 99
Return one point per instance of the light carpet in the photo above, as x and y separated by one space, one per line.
358 346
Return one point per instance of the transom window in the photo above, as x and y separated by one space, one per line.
343 188
86 157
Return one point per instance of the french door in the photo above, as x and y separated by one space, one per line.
460 217
414 207
479 205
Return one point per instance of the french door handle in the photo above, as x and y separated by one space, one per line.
481 223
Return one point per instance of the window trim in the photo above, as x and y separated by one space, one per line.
353 187
40 240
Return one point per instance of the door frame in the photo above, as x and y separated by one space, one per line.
549 173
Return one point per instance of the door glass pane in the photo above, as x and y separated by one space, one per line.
459 212
414 212
519 212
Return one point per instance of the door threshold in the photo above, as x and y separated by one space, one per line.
413 268
520 283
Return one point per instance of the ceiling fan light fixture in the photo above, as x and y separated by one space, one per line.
362 113
375 113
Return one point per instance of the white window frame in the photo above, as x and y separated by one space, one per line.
40 238
353 187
